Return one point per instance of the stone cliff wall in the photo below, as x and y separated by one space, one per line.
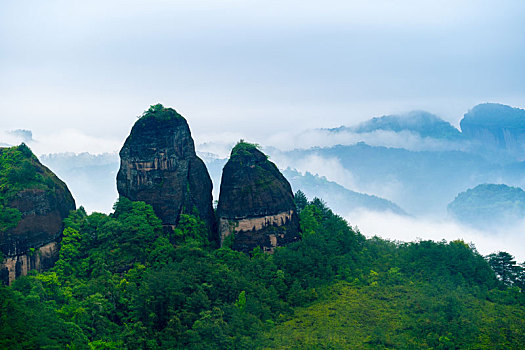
38 259
256 203
160 167
267 232
43 202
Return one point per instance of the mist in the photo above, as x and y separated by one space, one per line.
254 68
409 228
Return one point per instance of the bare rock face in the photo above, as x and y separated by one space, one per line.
158 165
33 204
256 203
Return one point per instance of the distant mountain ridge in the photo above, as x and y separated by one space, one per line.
341 199
420 122
485 127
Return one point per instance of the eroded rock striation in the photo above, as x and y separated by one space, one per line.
33 205
256 205
158 165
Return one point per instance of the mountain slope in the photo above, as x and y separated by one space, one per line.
400 315
342 200
489 205
33 204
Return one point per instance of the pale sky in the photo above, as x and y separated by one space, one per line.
76 73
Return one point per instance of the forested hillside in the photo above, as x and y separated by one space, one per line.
123 282
489 205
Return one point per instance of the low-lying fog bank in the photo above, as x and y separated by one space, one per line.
408 228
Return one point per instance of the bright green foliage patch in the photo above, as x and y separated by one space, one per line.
9 218
401 314
18 171
243 148
160 112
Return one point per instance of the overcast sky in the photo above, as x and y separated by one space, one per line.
77 73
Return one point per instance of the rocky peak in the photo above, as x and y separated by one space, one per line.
496 125
33 204
158 165
256 203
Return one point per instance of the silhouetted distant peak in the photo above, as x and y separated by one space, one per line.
497 126
420 122
495 115
489 205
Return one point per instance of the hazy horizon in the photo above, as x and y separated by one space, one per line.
77 75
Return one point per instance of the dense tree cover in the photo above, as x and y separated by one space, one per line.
393 311
124 281
508 272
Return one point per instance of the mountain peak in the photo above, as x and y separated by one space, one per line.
256 204
494 114
420 122
160 167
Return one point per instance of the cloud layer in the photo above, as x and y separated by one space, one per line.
253 66
408 229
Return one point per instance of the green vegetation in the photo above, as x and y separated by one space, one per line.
17 170
20 170
9 218
508 272
160 112
394 312
243 148
124 281
341 199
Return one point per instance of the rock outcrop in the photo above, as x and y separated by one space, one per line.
498 126
33 205
256 203
158 165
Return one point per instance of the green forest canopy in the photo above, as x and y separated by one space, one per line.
123 282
